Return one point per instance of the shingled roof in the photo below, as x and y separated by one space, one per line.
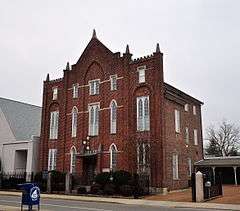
219 161
24 119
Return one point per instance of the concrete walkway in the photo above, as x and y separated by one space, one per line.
135 201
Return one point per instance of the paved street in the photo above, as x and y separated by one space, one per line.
13 203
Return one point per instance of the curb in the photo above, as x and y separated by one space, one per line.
134 201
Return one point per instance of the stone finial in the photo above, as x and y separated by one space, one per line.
94 35
48 78
158 48
127 50
67 66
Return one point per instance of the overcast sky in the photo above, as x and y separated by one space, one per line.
200 40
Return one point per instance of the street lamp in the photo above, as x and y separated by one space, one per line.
86 144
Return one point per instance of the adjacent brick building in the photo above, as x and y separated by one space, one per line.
110 112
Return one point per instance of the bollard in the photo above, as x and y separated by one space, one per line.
199 187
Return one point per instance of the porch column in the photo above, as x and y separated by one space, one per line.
213 169
235 174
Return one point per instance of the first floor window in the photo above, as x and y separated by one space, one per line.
52 159
93 120
73 153
189 166
74 121
195 135
177 121
143 113
54 116
175 166
113 157
143 156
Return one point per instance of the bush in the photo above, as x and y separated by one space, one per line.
126 190
109 189
95 188
57 180
42 183
121 178
102 178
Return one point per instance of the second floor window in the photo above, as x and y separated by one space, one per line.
113 117
113 81
143 114
177 121
52 158
94 87
93 120
54 116
186 135
55 93
194 110
195 136
74 121
141 74
186 107
75 90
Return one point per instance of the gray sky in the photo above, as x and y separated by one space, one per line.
200 40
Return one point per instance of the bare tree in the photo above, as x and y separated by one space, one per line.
224 141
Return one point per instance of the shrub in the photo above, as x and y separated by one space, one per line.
126 190
81 190
121 178
95 188
40 181
109 189
102 178
58 181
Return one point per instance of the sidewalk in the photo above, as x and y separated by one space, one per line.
135 201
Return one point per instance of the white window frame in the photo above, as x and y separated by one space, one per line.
73 153
177 121
189 167
113 122
141 74
94 87
113 81
54 93
143 120
74 121
187 135
54 119
113 160
52 159
194 110
93 129
75 90
195 136
186 107
175 166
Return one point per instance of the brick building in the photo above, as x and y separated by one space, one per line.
110 112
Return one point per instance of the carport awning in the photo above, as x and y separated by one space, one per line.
219 161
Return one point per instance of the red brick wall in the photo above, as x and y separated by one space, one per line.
97 62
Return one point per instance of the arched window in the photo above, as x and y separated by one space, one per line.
74 121
146 114
140 115
113 117
73 153
113 157
143 113
93 120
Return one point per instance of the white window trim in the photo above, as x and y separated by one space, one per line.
74 122
72 164
177 121
94 89
93 130
111 82
143 124
113 124
54 121
54 95
175 164
52 158
194 110
111 154
141 74
195 135
75 90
